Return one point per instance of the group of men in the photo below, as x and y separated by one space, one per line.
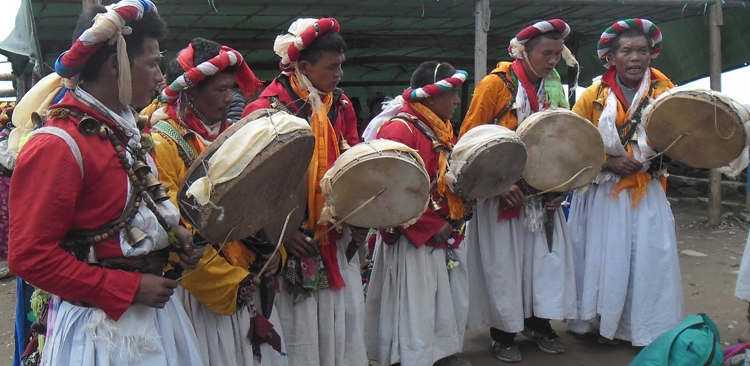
99 238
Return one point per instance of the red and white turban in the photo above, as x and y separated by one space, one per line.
644 25
517 47
300 35
433 90
193 75
107 27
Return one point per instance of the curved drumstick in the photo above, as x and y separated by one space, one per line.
221 247
561 184
278 243
356 210
670 145
716 120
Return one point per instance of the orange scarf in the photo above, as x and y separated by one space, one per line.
325 136
636 183
444 132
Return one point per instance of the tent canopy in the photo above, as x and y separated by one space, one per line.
387 39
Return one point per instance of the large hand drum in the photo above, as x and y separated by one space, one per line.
388 174
485 162
237 184
565 151
701 128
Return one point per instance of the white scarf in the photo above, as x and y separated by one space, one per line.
389 111
608 130
523 107
145 220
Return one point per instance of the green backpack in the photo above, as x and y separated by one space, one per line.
694 342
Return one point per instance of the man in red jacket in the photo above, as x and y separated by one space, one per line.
321 309
94 235
410 310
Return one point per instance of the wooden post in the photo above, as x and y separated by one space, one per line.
85 4
481 27
714 38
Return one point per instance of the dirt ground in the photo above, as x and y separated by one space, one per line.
708 285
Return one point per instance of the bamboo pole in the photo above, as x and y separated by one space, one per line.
714 38
481 27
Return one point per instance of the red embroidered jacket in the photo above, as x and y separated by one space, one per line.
49 197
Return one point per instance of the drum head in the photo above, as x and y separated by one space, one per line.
406 184
559 145
275 224
714 134
494 169
485 162
242 206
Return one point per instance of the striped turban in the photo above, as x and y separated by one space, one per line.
300 35
644 25
433 90
193 75
516 47
108 27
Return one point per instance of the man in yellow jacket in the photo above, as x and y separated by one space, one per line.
190 114
516 283
627 268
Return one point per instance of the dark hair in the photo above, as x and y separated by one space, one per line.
327 42
204 50
425 73
150 26
630 33
377 100
531 43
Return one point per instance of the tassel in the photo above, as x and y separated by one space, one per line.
328 252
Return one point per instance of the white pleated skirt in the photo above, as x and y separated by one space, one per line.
143 336
410 315
628 271
327 329
513 274
223 339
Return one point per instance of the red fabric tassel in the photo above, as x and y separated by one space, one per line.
261 331
330 260
509 213
371 243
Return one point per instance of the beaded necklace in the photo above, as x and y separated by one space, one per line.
80 242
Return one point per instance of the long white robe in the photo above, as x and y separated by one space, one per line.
410 317
327 329
512 273
143 336
223 338
628 271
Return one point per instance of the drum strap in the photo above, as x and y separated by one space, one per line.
633 123
436 144
303 110
513 90
166 130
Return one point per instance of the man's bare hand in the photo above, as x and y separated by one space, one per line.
359 234
154 291
512 197
623 165
443 234
247 287
189 254
554 203
301 245
274 265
